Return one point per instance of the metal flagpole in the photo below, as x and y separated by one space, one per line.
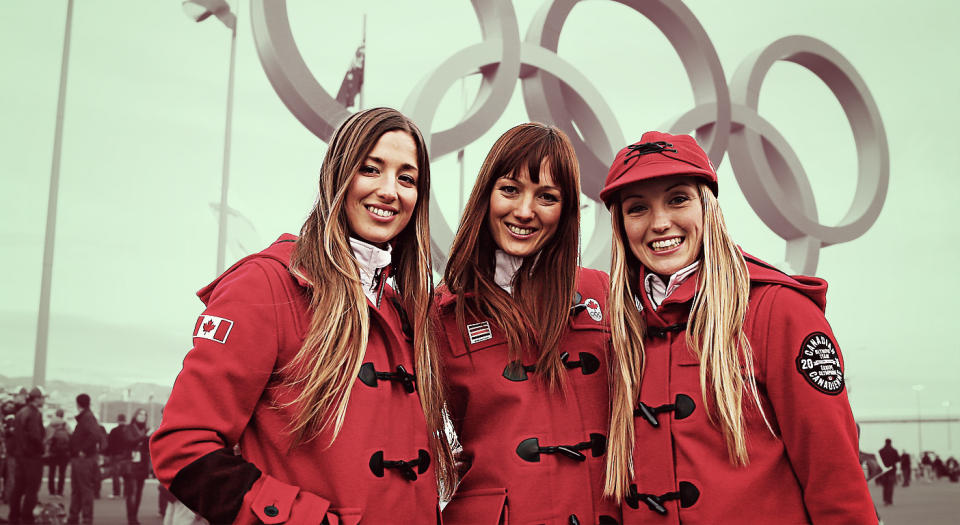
363 43
43 317
225 176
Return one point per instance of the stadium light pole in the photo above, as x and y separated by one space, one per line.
43 313
198 11
917 389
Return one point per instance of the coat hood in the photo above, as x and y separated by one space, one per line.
281 250
813 287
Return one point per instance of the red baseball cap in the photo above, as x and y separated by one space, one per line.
657 155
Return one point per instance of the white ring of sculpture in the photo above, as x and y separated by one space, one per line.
725 118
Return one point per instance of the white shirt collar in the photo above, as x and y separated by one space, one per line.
370 260
658 291
507 266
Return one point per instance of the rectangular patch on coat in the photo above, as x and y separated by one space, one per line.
479 332
213 328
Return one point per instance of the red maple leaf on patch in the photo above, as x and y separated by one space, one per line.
208 326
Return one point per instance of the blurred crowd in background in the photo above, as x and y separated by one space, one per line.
102 460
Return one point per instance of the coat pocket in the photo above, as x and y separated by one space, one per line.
478 507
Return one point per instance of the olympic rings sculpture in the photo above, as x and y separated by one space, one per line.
724 117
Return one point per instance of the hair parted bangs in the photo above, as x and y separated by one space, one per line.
536 315
329 361
714 332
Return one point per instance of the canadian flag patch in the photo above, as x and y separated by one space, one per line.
213 328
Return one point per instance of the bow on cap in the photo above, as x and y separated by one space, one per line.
658 155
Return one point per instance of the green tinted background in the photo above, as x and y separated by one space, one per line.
143 142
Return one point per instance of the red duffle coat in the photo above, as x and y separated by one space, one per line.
506 419
808 472
229 392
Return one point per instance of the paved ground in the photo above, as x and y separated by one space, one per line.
923 503
107 511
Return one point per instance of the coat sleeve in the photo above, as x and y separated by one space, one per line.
802 371
235 348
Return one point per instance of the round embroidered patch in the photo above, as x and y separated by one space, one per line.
819 364
593 308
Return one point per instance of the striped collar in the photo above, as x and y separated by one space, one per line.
657 291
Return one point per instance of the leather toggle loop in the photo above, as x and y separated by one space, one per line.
529 449
378 465
661 332
688 494
588 363
369 376
682 407
517 371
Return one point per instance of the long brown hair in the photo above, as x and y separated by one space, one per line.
714 332
537 313
325 368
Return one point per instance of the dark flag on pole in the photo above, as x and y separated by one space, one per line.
353 80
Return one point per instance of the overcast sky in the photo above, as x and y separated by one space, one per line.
143 141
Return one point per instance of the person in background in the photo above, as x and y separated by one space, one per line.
136 464
890 459
926 466
938 467
8 462
905 468
102 446
28 450
116 453
952 467
84 446
20 399
58 453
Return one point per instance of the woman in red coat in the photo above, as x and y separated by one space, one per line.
314 357
729 403
525 344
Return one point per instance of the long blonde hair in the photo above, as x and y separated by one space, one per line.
327 365
714 333
545 283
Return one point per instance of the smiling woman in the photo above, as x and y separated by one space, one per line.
524 342
524 214
726 376
315 356
383 194
663 220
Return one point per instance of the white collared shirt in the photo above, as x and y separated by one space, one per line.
506 269
658 291
371 260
